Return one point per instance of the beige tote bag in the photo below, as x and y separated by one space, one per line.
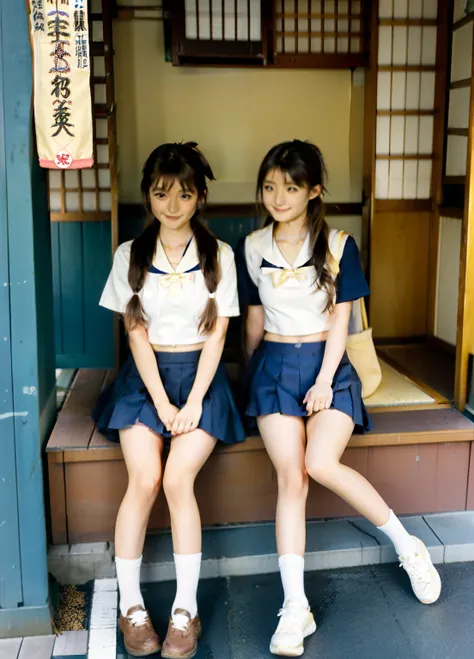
360 345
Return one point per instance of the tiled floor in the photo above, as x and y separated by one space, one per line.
70 645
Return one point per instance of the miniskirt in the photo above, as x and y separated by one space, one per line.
127 401
280 375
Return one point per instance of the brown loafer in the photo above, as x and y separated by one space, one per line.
181 640
139 636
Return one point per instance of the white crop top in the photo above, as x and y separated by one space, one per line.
292 303
173 300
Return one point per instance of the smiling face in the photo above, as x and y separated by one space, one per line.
284 200
172 203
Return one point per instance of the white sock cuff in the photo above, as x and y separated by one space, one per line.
390 520
129 562
291 559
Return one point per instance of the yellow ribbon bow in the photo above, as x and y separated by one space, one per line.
279 277
174 281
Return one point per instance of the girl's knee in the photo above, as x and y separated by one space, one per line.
146 485
322 470
177 483
293 483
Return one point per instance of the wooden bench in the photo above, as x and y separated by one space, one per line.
419 460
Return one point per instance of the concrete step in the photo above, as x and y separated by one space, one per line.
250 549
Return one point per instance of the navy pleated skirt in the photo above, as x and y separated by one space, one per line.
127 401
282 373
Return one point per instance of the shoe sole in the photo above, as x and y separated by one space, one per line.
189 655
281 651
434 576
134 653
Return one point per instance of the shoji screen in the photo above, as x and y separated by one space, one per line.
230 20
310 30
405 109
217 31
459 102
405 98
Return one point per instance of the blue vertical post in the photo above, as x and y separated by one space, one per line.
27 402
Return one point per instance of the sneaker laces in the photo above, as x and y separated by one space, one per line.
290 618
180 622
416 569
138 618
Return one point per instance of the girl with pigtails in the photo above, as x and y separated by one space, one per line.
175 286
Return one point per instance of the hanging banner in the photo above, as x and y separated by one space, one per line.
62 98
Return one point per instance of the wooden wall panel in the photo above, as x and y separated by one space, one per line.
470 487
233 487
94 491
237 487
57 499
240 487
324 503
399 274
433 265
421 478
452 475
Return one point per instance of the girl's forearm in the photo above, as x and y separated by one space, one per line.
336 342
145 362
209 361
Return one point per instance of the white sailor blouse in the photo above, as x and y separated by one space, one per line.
173 300
293 304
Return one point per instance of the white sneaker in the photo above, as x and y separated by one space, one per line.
424 577
296 623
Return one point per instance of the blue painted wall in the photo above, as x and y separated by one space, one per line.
26 345
11 591
227 228
81 253
43 296
81 256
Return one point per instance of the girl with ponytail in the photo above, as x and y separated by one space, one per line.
300 278
176 287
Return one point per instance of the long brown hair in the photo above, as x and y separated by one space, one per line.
304 163
187 165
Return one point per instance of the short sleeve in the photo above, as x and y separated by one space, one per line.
248 290
351 282
117 292
226 294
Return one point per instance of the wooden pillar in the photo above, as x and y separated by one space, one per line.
465 333
27 379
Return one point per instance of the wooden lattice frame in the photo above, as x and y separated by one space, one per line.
90 198
333 37
277 26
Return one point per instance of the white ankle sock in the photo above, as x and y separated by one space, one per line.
128 578
188 567
292 578
404 543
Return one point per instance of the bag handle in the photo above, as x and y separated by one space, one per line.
363 308
363 313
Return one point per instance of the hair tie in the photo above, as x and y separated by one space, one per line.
212 296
